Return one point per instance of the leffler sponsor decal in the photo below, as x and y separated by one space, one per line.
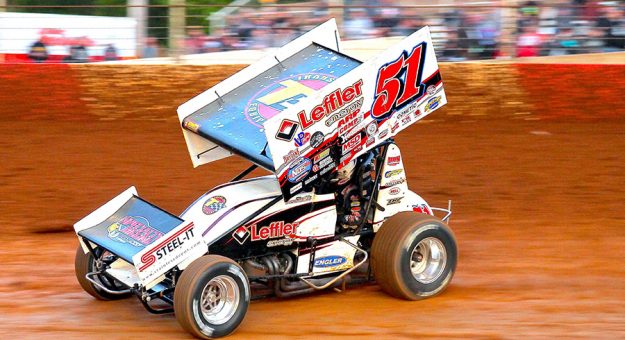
330 103
299 170
399 82
213 205
393 173
393 160
278 229
134 230
330 261
167 246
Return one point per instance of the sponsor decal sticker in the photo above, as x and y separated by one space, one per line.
213 205
393 173
393 200
301 139
296 187
432 103
431 90
383 134
300 199
394 127
330 261
193 126
331 102
370 141
406 120
395 182
421 208
171 244
289 157
372 128
394 191
278 229
287 130
316 139
322 155
393 160
134 230
282 94
352 143
299 170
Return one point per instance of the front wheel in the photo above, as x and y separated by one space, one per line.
413 256
211 297
85 263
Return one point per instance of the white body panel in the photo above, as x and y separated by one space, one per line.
359 101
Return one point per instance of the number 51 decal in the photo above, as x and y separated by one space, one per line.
399 82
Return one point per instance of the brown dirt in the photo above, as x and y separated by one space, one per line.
537 214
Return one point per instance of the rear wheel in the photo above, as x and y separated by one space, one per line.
85 263
211 297
413 256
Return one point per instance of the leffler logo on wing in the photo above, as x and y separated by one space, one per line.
284 93
166 246
399 82
134 230
287 130
277 229
331 102
213 205
299 170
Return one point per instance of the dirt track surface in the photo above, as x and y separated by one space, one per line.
537 214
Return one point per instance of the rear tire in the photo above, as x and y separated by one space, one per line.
211 297
85 263
413 256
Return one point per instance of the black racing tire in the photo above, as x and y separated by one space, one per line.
199 301
413 256
85 263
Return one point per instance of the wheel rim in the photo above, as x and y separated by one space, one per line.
219 300
428 259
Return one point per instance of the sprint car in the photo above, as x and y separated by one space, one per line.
335 206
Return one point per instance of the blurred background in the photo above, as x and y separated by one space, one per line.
75 31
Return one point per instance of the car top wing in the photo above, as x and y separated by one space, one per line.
228 118
341 121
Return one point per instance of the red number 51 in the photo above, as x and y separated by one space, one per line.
399 82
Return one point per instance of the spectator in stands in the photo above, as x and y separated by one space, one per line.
529 42
611 24
38 52
194 43
110 53
150 50
359 25
77 54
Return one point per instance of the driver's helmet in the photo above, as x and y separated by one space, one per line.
345 174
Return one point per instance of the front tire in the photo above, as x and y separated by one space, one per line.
211 297
413 256
85 263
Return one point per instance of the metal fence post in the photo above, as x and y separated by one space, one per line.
139 11
177 24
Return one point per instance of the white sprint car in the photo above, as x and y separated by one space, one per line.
335 206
